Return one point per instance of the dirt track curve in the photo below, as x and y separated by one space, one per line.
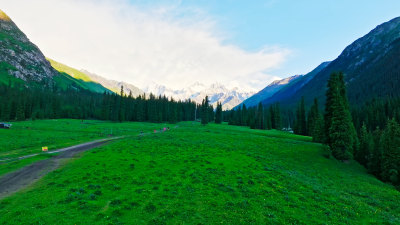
15 181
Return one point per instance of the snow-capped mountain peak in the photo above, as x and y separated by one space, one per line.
216 92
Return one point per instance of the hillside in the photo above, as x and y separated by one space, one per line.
113 85
270 90
370 65
79 78
291 89
22 61
19 57
237 176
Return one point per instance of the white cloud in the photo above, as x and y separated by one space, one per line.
169 45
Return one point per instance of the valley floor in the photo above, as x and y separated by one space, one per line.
191 174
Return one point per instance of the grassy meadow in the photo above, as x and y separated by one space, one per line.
29 137
192 174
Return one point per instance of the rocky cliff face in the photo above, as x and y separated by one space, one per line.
18 56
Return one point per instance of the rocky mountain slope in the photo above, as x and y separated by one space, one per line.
19 57
22 61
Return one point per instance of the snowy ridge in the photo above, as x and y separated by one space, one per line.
197 92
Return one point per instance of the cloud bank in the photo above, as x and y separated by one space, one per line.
170 45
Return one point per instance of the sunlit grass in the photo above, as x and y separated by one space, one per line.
210 174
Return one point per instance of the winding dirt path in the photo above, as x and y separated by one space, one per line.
15 181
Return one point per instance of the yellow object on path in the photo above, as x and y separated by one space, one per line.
44 149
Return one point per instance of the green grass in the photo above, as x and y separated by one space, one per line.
205 175
28 137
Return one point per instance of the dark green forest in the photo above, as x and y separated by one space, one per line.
369 133
18 102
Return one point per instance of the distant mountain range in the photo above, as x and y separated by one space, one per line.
371 66
198 91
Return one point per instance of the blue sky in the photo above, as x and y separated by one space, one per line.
314 30
244 44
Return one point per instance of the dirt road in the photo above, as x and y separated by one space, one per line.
15 181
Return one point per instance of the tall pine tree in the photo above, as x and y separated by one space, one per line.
205 111
218 113
301 123
340 130
315 123
390 145
366 146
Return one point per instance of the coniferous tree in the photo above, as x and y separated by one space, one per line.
390 162
268 122
375 157
244 120
366 146
259 122
275 116
173 112
278 116
204 111
121 110
301 123
272 116
340 129
318 130
20 111
211 116
218 113
315 123
312 117
105 107
19 102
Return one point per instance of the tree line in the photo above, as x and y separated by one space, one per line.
260 117
369 134
18 102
